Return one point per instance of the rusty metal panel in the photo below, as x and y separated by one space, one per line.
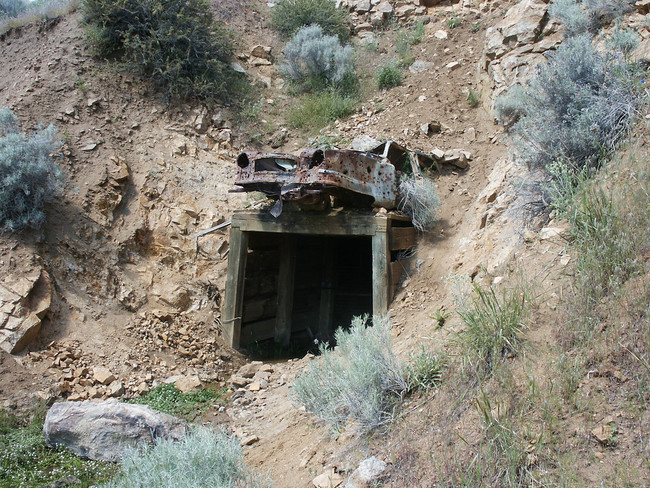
317 173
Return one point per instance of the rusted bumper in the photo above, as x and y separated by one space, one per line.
356 176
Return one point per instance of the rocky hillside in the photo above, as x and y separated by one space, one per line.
117 293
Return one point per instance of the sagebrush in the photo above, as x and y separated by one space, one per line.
203 458
289 16
175 43
315 61
576 109
29 176
418 198
356 386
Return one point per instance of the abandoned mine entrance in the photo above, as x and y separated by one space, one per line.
294 279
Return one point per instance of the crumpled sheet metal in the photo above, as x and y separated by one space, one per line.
318 172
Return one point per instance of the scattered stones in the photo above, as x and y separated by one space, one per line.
263 52
440 34
550 232
368 474
187 384
364 143
103 375
329 479
103 430
249 440
421 66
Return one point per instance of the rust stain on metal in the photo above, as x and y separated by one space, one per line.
357 178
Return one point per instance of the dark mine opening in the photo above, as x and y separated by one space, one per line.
318 282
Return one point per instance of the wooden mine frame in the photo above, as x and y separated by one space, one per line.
389 232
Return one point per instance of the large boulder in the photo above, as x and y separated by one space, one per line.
104 430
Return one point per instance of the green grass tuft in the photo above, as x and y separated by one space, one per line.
313 112
167 398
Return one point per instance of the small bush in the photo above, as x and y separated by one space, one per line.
473 98
453 22
169 399
12 8
175 43
314 61
29 177
315 111
389 76
623 41
578 107
203 458
289 16
419 200
357 385
575 19
493 326
425 371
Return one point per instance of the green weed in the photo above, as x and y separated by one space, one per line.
313 112
425 370
473 98
169 399
388 76
493 327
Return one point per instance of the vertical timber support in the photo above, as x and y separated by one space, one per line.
286 279
380 268
232 312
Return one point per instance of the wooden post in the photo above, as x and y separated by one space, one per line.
232 310
286 279
380 271
326 296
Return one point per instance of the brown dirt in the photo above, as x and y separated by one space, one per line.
133 292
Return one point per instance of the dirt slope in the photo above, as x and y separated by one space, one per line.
136 293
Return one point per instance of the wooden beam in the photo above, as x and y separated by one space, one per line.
286 281
232 310
380 273
402 238
337 223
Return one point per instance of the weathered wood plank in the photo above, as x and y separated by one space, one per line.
402 238
232 311
286 281
344 224
380 273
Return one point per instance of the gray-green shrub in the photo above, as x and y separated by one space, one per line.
315 61
357 385
575 19
12 8
175 43
203 458
623 40
587 16
577 107
29 177
288 16
419 200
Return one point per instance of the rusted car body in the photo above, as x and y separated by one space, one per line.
356 178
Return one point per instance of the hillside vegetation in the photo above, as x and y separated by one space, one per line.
517 349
